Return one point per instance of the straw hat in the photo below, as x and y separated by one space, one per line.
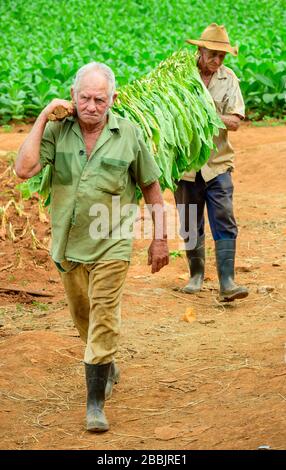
215 37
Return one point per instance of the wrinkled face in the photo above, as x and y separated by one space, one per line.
92 98
211 60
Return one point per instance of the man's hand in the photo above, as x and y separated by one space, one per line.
158 255
231 121
51 108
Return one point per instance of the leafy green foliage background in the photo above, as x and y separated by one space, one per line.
44 42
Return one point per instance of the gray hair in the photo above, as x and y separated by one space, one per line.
96 67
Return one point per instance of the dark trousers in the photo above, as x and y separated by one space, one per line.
216 194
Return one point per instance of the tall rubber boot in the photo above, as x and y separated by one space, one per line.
96 380
113 378
225 257
196 259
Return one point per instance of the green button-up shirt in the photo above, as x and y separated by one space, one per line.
90 197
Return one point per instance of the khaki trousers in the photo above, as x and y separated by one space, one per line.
94 294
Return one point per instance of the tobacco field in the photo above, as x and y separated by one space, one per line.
44 42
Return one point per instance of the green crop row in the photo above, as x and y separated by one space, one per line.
44 42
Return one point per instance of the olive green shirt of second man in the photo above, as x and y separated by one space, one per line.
102 186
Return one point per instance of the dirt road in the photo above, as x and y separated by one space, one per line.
215 383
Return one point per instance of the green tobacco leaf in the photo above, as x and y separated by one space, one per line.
269 97
265 80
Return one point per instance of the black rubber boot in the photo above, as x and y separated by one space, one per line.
225 257
113 378
96 380
196 259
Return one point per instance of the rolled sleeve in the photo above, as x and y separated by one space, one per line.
144 168
47 150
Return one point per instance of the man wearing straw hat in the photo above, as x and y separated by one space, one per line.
212 186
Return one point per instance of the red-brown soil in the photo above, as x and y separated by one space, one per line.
215 383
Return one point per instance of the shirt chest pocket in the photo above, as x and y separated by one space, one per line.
112 175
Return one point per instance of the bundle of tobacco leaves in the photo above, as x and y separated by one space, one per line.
176 114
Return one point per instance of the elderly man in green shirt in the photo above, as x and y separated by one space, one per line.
97 158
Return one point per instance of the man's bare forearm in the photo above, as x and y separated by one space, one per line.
158 253
28 159
153 197
231 121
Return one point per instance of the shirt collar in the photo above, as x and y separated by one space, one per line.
221 73
112 122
